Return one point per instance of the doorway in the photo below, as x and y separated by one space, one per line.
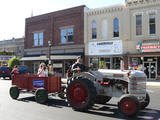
150 68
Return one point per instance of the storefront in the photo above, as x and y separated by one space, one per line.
148 58
148 64
4 59
61 63
105 54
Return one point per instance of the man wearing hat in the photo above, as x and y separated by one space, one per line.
78 65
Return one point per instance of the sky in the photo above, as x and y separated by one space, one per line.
14 12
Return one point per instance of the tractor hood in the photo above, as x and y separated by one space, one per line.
119 74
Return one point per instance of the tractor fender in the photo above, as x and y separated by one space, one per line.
87 75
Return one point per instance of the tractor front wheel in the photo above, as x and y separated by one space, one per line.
128 105
146 102
81 94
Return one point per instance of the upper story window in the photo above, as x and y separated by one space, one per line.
152 24
116 27
67 35
94 30
38 39
138 24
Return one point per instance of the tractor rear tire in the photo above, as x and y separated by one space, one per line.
146 102
14 92
41 95
81 94
128 105
103 99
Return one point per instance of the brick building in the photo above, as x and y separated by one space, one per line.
63 29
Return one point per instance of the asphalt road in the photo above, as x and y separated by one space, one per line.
25 108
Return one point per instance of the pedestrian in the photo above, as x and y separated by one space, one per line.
46 70
91 66
50 70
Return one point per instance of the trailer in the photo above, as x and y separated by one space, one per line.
40 86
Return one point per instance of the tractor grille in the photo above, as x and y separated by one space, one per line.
137 86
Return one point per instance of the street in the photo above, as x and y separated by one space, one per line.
26 108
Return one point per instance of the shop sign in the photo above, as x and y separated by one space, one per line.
5 57
112 47
57 65
148 46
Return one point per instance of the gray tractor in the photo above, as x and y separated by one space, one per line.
84 89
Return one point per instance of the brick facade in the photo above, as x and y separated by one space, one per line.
51 23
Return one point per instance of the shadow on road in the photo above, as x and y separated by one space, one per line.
51 102
108 110
5 79
111 110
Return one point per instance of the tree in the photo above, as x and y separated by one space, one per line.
13 61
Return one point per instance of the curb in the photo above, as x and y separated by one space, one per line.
153 83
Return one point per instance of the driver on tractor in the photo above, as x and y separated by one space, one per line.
78 66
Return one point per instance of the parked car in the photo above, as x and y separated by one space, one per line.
23 69
5 72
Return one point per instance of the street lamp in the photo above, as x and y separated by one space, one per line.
49 52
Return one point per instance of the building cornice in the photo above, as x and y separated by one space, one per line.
130 4
104 10
134 4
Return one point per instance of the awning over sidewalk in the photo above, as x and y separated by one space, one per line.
53 57
63 57
40 58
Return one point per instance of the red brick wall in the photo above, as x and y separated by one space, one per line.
51 23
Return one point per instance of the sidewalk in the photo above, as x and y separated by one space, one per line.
153 83
149 82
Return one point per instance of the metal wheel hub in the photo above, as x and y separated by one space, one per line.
79 94
128 106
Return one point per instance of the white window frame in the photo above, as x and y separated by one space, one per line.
39 39
66 30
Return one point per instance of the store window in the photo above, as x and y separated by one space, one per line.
116 27
95 63
67 35
38 39
138 24
106 63
158 65
94 30
152 24
136 63
116 63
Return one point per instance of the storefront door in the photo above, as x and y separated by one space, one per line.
150 68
